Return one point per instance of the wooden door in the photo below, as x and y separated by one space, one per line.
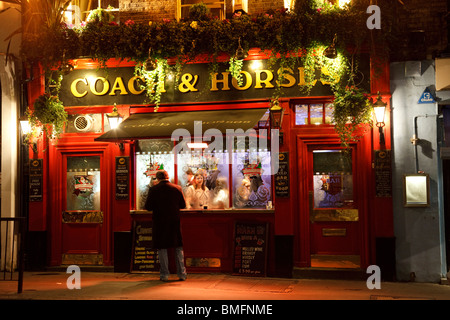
83 209
333 209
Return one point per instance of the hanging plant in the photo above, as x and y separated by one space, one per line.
153 81
332 71
352 114
101 15
48 113
199 12
235 68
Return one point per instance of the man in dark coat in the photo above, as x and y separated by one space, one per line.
166 199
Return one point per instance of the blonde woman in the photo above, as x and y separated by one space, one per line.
197 194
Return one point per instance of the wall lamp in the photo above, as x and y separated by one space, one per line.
114 119
379 108
276 115
26 130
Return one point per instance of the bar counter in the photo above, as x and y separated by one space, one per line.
209 236
211 211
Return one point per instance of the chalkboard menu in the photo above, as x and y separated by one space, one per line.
122 178
383 176
250 248
35 180
282 176
143 256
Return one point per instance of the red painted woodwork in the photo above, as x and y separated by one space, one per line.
211 235
81 238
336 245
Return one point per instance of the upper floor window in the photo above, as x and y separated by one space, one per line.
240 5
216 8
313 113
78 10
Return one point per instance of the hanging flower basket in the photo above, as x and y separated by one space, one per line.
49 114
352 114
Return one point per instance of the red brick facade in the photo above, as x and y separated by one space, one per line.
145 10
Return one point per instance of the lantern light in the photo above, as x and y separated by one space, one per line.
379 108
25 125
276 115
114 118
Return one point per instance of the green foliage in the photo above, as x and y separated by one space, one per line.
281 32
101 15
199 11
235 70
48 112
153 81
352 114
285 36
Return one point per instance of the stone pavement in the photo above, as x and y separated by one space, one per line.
136 286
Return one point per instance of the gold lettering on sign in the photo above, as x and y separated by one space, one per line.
74 90
326 72
224 81
248 81
186 85
131 85
266 81
105 86
286 74
259 79
118 85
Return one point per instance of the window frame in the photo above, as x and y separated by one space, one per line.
175 174
219 2
309 103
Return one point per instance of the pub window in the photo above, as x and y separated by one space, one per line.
333 179
83 183
313 114
78 10
210 179
252 182
151 156
204 177
216 8
240 5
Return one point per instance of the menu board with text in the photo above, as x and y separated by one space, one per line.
282 176
143 256
122 178
250 248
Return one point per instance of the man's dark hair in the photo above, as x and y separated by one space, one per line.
162 175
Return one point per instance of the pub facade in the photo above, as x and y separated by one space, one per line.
320 202
263 198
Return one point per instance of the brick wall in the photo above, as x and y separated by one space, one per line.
157 10
424 24
147 10
259 6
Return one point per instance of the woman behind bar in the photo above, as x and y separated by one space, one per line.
165 200
197 194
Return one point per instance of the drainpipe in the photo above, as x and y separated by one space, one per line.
415 140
